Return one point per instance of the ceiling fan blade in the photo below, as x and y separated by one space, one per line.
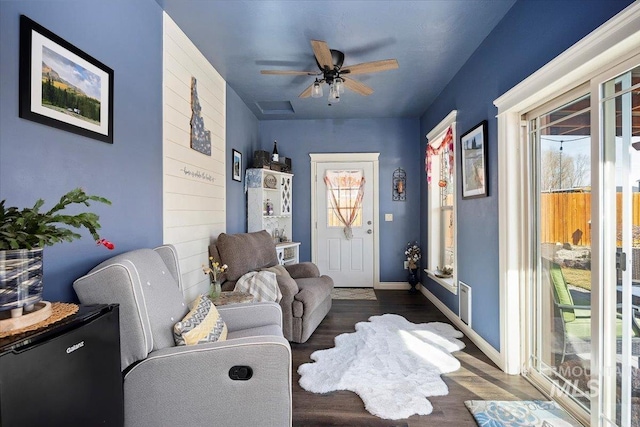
307 92
371 67
289 72
357 86
322 53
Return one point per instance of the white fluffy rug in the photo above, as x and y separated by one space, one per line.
391 363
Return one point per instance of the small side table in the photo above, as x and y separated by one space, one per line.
233 298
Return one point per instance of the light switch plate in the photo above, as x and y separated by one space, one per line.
388 217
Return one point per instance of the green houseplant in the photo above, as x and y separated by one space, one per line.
23 235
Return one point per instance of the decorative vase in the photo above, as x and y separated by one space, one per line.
413 279
214 292
20 278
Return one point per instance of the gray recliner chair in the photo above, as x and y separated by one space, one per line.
168 385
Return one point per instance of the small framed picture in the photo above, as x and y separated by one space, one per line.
473 146
236 165
62 86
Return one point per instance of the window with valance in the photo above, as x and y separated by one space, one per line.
440 161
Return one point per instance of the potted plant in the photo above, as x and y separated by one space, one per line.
23 235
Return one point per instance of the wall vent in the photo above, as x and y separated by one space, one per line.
464 296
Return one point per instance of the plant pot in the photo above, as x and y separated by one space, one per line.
413 279
20 278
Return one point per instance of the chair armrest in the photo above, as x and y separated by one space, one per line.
190 385
579 307
288 287
303 270
245 316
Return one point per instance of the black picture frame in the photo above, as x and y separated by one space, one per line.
473 149
236 165
62 86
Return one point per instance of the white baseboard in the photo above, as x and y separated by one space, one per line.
483 345
391 286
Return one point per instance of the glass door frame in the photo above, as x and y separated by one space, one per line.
603 206
604 236
532 294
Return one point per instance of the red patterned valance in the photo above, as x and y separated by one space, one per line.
436 147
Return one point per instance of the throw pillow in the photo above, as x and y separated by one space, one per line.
201 325
279 270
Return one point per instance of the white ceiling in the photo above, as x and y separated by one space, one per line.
431 39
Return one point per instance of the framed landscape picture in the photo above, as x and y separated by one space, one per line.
63 87
473 146
236 166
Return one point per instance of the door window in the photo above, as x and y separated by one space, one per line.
345 190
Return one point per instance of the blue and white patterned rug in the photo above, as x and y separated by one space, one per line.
519 413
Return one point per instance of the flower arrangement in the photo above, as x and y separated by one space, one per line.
413 254
214 270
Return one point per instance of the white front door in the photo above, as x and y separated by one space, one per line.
348 257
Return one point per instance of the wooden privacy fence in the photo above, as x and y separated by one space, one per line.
565 217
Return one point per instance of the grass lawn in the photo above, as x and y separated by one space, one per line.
576 277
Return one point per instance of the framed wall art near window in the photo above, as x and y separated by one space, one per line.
62 86
473 151
236 166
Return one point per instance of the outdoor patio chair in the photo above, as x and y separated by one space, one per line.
576 319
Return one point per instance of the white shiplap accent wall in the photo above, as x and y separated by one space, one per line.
193 205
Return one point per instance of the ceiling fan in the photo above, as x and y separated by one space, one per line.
331 72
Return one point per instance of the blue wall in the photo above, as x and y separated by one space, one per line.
242 135
530 35
37 161
395 140
40 161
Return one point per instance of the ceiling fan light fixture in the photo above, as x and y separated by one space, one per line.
316 90
329 62
334 96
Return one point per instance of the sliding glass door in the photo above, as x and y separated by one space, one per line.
620 294
584 294
560 141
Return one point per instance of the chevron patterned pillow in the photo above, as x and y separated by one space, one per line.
201 325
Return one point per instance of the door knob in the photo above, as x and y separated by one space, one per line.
368 222
369 231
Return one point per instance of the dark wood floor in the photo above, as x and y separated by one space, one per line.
477 379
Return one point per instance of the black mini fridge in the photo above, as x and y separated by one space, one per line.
67 374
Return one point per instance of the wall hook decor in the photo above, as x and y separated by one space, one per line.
399 185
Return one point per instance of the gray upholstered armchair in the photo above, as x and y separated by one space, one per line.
306 295
167 385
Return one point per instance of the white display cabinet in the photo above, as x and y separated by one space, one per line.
288 252
264 185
